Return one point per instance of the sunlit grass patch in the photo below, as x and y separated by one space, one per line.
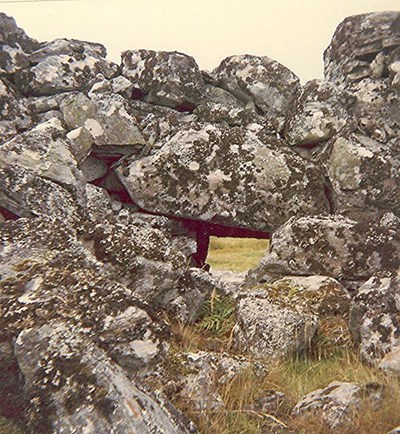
236 254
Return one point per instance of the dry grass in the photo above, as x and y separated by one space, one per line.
295 377
236 254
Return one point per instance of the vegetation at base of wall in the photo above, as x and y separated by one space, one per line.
294 377
236 254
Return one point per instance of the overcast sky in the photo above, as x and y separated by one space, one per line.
294 32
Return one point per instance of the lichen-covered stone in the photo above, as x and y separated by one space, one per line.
339 401
377 108
45 151
233 116
319 295
271 86
15 45
365 177
333 246
166 78
267 330
64 65
26 194
14 112
358 43
319 112
225 176
200 373
374 317
103 120
74 386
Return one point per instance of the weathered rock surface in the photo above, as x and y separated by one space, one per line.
320 112
166 78
268 330
225 176
14 113
261 81
359 43
73 386
334 246
64 65
15 45
374 318
201 372
339 401
365 178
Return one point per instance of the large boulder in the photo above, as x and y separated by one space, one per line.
166 78
365 177
260 80
64 65
374 318
359 43
74 386
319 112
225 176
334 246
269 330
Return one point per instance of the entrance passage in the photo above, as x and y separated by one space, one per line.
235 254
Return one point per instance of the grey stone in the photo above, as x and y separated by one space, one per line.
339 401
15 45
333 246
74 386
64 65
166 78
271 86
374 318
267 330
320 112
225 176
357 43
365 177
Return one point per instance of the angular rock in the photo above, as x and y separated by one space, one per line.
64 65
268 330
271 86
166 78
365 178
374 318
45 151
73 386
358 43
320 112
15 45
100 121
332 246
390 363
225 176
25 194
338 403
377 108
319 295
14 113
201 373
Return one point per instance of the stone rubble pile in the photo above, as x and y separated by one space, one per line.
112 178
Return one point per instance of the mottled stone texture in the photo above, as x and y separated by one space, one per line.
112 179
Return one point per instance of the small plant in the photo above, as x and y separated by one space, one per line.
217 315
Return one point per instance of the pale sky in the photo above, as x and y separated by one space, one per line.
293 32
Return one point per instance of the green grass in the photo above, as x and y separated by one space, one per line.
236 254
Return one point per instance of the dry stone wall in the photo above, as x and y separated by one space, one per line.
113 177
